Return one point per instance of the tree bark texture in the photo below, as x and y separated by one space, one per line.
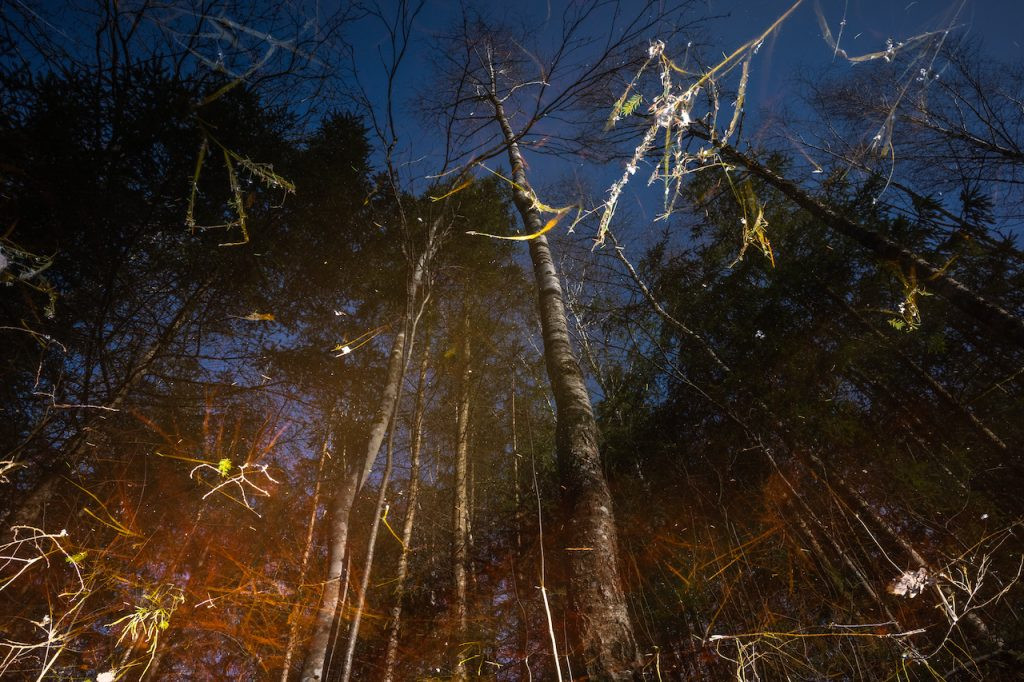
460 510
341 504
364 584
410 515
355 475
307 550
601 620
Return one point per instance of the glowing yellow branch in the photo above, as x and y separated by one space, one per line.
459 188
110 521
526 237
346 347
391 530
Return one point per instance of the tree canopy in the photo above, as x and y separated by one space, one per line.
421 342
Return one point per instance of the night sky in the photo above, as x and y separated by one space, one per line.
794 55
750 416
796 50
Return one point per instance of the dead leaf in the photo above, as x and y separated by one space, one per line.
258 317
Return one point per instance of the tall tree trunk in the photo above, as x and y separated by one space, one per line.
515 562
410 514
460 510
602 622
364 584
353 636
293 618
355 474
341 504
379 511
515 468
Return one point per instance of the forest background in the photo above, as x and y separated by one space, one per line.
426 340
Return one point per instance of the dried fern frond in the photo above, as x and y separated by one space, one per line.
263 172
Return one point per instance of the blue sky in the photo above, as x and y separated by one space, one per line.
797 50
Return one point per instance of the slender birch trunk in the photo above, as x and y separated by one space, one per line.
515 469
379 511
515 562
293 618
355 475
603 627
364 584
341 504
410 515
460 511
